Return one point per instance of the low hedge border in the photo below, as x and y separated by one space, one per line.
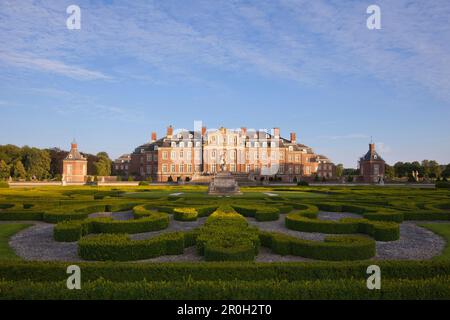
335 248
226 236
432 288
247 271
19 215
68 231
261 213
185 214
119 247
380 230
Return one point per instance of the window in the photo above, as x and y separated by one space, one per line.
264 144
291 148
290 158
181 144
173 144
290 170
188 155
164 155
149 169
181 154
69 169
297 169
197 155
189 168
197 144
173 155
297 159
247 168
172 168
281 170
164 168
189 144
376 169
232 167
180 168
213 168
149 157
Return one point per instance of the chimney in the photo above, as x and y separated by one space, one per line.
276 132
169 132
153 136
74 145
244 131
203 131
293 137
372 147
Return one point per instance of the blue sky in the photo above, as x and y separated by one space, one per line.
311 67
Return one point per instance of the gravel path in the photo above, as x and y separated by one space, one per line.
36 242
415 243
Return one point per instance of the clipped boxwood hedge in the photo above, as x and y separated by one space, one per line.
118 247
333 248
7 215
185 214
226 236
38 271
385 216
55 217
267 214
420 289
381 231
146 221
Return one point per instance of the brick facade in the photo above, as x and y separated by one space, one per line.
74 166
257 154
371 166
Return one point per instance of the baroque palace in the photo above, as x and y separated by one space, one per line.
251 155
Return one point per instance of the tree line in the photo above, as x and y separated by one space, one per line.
428 169
30 163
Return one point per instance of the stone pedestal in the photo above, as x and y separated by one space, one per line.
224 184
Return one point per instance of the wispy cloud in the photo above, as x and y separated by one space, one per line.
347 136
298 40
46 65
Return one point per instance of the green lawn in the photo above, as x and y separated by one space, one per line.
7 231
442 229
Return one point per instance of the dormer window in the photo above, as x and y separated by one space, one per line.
174 144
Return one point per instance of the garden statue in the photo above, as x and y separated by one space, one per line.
222 163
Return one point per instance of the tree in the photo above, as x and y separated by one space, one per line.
36 162
19 170
339 170
431 168
103 164
446 172
389 171
4 170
